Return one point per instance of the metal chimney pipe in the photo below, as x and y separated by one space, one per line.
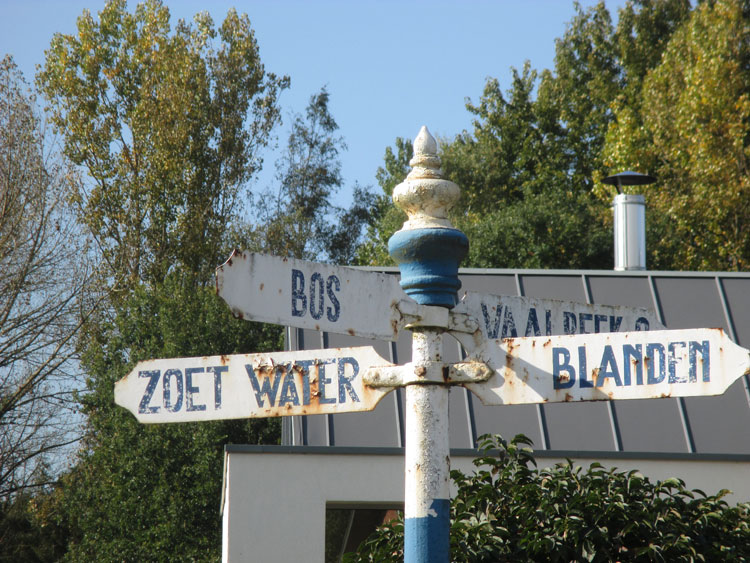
630 221
630 232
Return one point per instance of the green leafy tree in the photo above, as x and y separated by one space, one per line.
300 219
386 218
153 492
529 166
692 131
509 510
165 126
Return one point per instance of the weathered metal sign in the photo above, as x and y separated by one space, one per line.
592 367
502 316
251 385
310 295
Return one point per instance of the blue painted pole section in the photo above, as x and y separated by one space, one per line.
428 260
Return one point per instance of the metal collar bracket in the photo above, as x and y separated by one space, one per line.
426 374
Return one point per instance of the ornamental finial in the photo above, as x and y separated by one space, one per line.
425 195
427 248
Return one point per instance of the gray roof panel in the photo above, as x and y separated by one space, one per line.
702 425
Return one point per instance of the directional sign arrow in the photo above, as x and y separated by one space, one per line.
594 367
251 385
503 316
310 295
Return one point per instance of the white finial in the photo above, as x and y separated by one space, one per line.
425 195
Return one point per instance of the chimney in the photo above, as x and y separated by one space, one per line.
630 221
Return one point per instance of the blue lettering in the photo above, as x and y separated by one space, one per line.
548 322
608 368
316 290
652 350
673 359
167 386
267 389
632 356
598 320
322 382
333 314
641 323
345 383
509 325
532 325
561 364
582 369
217 371
190 390
703 348
494 329
298 294
569 322
582 318
615 322
288 388
304 368
153 376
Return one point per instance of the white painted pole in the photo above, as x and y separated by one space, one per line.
427 493
428 250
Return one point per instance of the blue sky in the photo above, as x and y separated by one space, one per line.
389 66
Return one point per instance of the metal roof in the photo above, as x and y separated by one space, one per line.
702 425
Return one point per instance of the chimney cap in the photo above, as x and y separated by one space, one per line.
629 178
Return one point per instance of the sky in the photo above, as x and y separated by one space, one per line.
389 66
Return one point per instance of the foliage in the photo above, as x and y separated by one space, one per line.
300 219
167 127
152 492
509 510
528 169
386 218
21 538
692 131
42 275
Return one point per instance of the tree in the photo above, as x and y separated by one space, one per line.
167 129
528 169
165 126
300 219
152 492
42 277
386 218
691 131
508 510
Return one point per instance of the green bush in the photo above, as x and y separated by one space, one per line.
509 510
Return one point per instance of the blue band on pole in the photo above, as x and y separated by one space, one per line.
427 539
428 260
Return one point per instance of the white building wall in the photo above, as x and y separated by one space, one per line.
274 503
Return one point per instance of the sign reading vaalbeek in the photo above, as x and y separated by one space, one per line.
502 316
592 367
251 385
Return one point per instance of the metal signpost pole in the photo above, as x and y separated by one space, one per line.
428 250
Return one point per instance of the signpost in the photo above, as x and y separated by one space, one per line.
251 385
520 350
309 295
503 316
601 367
